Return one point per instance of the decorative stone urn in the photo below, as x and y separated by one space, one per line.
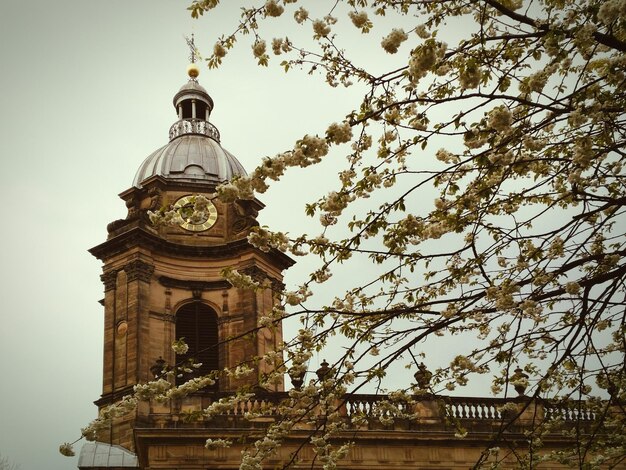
323 371
297 377
519 380
423 376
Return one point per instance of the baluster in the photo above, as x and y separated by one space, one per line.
354 409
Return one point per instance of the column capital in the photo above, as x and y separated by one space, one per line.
139 270
109 279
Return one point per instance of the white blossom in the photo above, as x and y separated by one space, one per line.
321 275
217 443
612 11
240 371
359 19
321 28
572 288
393 40
307 151
327 219
335 202
66 449
219 50
301 15
152 389
179 346
445 156
236 279
273 9
227 192
470 76
258 48
339 133
421 31
424 58
191 386
500 118
280 45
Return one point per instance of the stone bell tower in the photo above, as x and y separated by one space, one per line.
163 283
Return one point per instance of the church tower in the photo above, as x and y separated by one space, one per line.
162 283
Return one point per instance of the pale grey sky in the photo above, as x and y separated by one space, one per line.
86 96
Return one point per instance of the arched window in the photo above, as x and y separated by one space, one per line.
197 324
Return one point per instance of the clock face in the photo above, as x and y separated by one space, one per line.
185 205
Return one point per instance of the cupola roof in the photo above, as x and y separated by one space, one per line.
194 153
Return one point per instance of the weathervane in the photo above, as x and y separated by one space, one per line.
192 48
193 71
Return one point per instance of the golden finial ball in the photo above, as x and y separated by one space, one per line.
193 71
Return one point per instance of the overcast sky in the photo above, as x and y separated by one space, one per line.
86 96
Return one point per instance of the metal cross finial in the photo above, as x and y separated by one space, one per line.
192 49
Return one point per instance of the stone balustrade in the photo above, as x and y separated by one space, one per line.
194 126
420 411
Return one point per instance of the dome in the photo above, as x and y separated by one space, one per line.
194 153
192 158
192 90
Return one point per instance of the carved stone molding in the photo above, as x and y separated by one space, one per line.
156 198
256 273
260 276
193 286
139 270
241 224
277 286
108 279
132 204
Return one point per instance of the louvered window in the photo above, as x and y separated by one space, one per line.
197 324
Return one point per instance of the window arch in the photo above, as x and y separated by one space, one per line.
197 324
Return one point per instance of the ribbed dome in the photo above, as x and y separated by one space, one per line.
194 153
191 158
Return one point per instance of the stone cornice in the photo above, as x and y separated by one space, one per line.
109 398
139 236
